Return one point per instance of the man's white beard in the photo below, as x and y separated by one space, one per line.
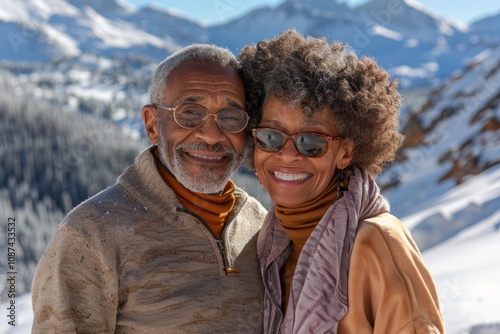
210 180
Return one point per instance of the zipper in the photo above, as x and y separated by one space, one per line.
222 249
218 241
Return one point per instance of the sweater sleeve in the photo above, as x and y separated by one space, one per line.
74 289
390 288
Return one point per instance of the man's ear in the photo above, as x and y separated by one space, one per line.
347 147
150 118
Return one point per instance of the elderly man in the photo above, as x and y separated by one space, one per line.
170 248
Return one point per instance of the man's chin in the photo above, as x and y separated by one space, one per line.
206 181
203 178
204 188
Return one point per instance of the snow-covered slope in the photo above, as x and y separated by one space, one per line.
451 138
447 192
466 268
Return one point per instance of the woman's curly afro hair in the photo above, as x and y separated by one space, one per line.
363 102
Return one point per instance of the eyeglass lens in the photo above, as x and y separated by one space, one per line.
192 116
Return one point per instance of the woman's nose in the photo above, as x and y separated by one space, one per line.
289 152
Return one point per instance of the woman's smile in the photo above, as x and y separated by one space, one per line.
290 177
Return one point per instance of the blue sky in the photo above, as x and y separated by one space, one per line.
216 11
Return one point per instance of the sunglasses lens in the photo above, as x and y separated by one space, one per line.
307 144
268 140
311 145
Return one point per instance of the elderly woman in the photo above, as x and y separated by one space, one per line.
333 259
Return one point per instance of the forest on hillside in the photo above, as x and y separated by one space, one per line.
51 160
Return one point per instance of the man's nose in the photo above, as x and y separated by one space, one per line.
210 132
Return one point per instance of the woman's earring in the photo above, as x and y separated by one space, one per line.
341 187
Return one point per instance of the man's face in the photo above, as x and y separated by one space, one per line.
201 159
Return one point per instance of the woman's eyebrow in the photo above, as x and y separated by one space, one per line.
273 123
278 124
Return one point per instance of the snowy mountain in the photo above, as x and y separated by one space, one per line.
68 29
426 45
167 25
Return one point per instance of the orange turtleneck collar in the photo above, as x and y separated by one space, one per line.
298 223
213 209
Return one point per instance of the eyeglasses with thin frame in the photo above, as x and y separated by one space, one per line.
308 144
192 116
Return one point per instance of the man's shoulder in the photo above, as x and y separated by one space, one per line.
111 203
250 203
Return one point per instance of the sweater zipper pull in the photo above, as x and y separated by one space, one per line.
222 249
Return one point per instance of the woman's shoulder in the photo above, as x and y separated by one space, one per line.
385 230
385 224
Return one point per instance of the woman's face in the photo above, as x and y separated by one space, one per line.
290 178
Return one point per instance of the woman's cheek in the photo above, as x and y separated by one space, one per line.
259 160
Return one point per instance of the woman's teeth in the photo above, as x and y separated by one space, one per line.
290 177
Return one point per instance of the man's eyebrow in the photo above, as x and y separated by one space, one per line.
235 104
193 99
197 99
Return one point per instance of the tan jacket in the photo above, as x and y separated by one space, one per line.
131 260
390 289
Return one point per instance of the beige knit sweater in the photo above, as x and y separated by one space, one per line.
131 260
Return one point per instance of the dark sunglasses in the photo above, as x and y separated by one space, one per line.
193 116
308 144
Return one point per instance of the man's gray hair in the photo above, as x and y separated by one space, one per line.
202 52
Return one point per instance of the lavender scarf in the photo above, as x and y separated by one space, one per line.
318 295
